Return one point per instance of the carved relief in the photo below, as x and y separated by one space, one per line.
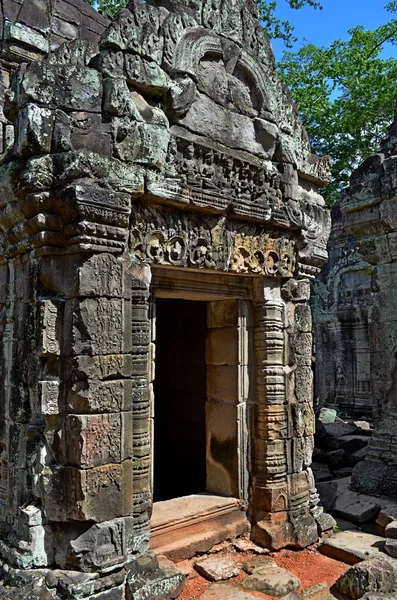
49 316
165 237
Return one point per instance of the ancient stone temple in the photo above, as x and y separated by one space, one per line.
341 300
160 224
368 208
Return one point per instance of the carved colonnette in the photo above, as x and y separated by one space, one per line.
138 163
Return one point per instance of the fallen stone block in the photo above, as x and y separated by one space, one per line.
327 415
352 546
217 568
328 492
357 456
223 591
379 596
363 426
165 583
391 547
319 455
387 515
341 473
325 522
335 458
340 429
314 590
243 545
348 443
351 507
266 577
321 472
391 530
376 574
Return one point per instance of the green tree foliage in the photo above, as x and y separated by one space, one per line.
275 27
346 94
108 7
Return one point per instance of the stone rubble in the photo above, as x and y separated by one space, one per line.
352 546
374 575
265 576
217 568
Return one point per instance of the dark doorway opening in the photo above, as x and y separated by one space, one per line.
179 399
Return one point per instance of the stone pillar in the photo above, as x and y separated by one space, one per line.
286 507
284 422
142 383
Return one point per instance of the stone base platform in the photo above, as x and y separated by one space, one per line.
183 527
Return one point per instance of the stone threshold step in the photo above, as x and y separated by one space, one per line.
182 527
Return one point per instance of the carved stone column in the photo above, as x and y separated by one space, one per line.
283 491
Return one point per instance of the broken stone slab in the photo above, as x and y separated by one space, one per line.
340 429
335 458
164 583
376 574
314 590
378 596
364 427
243 545
391 530
217 568
348 443
344 525
319 455
352 507
387 514
267 577
327 415
321 472
357 456
221 591
325 522
352 546
341 473
391 547
328 492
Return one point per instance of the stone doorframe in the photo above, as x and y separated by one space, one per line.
229 301
283 503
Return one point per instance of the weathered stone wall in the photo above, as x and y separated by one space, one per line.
341 300
31 29
368 208
171 144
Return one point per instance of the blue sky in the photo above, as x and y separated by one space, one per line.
322 27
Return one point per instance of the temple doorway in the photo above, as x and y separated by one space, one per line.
200 408
180 397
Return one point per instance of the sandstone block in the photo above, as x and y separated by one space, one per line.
222 314
391 530
33 130
217 568
93 440
376 574
222 346
266 577
221 591
391 547
99 326
222 383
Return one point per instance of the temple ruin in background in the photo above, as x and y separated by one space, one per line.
341 301
160 225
